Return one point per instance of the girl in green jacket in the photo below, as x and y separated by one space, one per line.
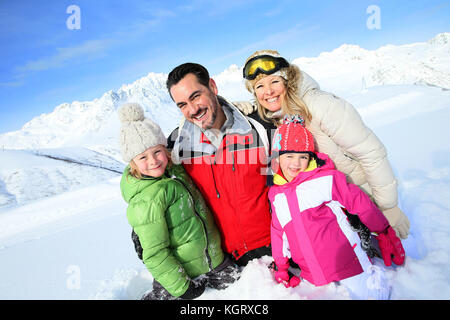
181 245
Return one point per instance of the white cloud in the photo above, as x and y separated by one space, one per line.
17 83
87 50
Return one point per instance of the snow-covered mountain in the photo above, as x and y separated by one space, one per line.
94 124
345 71
350 68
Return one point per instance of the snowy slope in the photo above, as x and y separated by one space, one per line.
43 243
26 176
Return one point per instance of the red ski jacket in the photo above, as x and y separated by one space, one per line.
231 178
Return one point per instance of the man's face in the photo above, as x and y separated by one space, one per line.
198 103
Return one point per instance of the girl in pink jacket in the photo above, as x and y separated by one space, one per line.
310 226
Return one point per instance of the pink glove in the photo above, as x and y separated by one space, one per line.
283 277
391 247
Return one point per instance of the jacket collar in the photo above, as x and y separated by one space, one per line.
192 138
279 178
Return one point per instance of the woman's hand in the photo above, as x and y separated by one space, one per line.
245 107
398 220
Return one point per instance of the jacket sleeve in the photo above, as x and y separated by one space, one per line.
357 202
279 243
147 217
339 120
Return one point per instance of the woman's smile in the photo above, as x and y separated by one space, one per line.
270 92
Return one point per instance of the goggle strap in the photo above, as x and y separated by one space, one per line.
279 64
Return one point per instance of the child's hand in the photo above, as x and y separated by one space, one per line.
391 247
283 277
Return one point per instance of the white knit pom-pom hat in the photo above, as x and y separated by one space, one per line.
137 132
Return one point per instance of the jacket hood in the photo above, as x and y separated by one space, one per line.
300 81
306 83
131 186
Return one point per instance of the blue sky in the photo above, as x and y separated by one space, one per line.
43 63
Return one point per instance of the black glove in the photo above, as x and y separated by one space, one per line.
364 234
137 243
223 275
195 290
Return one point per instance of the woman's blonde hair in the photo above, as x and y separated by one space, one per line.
292 103
134 170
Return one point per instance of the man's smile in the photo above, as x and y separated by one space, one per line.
199 115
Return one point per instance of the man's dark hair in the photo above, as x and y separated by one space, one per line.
182 70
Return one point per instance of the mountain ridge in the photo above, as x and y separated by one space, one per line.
344 71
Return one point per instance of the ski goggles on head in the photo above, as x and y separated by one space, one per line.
263 64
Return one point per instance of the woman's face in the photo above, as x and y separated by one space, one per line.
152 162
270 92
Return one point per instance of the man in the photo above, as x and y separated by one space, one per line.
224 152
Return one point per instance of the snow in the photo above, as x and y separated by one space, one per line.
28 175
64 232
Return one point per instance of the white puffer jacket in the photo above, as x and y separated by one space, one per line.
356 151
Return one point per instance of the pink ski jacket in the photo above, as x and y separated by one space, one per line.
308 224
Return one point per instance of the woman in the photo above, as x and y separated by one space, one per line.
281 88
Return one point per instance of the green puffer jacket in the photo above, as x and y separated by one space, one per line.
174 227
